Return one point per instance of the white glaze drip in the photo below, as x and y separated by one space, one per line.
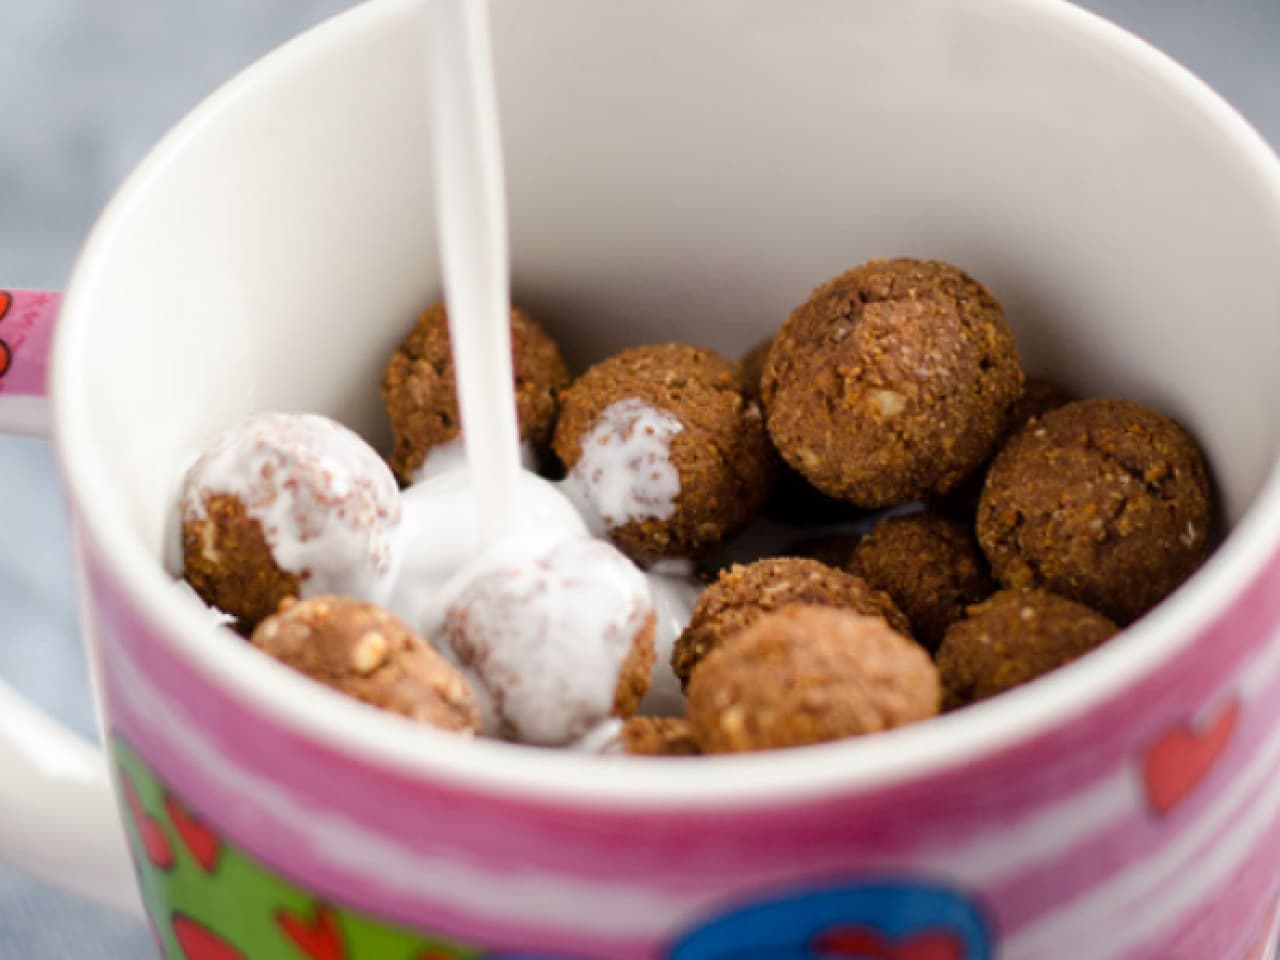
327 503
544 628
625 472
673 600
439 537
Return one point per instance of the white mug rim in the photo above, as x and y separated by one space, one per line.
492 767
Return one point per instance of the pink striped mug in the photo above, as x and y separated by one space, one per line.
677 169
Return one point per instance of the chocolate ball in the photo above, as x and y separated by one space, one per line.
285 505
363 651
744 593
1012 638
419 387
930 566
891 382
665 450
804 675
1102 501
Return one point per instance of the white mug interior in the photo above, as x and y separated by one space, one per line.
684 170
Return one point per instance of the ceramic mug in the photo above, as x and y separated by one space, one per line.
683 169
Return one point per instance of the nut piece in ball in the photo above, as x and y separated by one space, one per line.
892 382
664 449
363 651
420 392
557 639
744 593
805 675
658 737
1012 638
284 505
930 566
1102 501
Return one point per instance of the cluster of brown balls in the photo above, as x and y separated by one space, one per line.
1032 527
1022 528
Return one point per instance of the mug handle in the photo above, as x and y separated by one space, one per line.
58 817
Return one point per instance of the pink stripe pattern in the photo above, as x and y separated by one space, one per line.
648 874
26 331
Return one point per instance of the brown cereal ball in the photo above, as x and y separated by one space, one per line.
1039 396
658 737
1012 638
286 504
663 446
793 499
228 562
420 393
557 640
931 566
743 594
637 669
363 651
1102 501
805 675
892 382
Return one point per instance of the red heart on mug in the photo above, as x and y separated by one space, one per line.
154 842
319 939
1183 756
865 944
198 942
6 354
196 835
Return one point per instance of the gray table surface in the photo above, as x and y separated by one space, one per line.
85 87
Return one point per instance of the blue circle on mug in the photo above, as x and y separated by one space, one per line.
888 919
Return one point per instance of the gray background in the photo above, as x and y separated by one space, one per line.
85 87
